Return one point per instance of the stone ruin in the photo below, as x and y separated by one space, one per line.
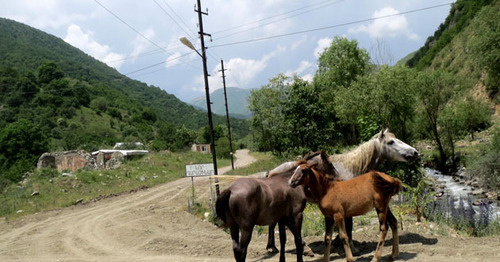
67 160
74 160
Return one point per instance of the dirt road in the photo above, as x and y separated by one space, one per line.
153 225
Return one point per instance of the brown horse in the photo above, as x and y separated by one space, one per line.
341 199
384 146
262 201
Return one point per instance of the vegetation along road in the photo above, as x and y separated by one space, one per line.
154 225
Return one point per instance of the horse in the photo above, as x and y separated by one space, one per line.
262 201
355 197
384 146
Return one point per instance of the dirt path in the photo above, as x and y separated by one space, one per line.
153 225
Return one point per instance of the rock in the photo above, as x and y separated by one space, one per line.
35 193
19 211
143 178
479 191
68 174
491 195
79 201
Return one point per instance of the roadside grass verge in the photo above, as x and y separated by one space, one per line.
47 189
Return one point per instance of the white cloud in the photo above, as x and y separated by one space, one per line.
140 43
48 14
303 66
76 37
298 43
173 60
390 26
323 44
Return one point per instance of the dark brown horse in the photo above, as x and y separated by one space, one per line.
262 201
341 199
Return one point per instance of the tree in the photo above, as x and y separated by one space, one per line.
268 122
339 66
20 142
49 71
435 90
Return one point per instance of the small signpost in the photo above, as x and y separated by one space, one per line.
199 170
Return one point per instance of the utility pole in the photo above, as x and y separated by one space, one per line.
207 92
227 112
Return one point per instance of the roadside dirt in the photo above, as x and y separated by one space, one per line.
154 225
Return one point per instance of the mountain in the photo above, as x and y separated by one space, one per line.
237 100
80 102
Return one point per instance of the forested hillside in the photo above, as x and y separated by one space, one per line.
55 97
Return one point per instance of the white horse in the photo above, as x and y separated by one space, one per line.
384 146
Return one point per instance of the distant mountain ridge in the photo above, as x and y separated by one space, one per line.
237 100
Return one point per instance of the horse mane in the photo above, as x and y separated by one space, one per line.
359 160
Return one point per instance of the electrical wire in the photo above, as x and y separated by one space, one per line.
329 27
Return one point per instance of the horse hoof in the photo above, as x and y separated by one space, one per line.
308 252
272 250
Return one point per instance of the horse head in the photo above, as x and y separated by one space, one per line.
315 162
394 149
301 174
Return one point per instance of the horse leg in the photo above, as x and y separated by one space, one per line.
246 236
282 230
328 238
295 225
348 228
271 246
340 222
393 223
383 233
235 236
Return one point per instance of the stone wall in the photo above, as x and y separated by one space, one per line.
67 160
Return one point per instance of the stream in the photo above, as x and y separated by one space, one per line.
455 189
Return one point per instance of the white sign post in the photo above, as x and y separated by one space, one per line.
198 170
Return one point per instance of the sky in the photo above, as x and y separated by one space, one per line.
256 39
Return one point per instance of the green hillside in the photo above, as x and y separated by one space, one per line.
466 44
56 97
237 100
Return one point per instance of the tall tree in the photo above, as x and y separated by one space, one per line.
339 66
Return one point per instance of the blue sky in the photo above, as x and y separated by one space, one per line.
256 39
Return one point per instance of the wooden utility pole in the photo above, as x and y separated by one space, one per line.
227 113
207 92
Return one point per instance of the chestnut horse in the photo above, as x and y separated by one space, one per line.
384 146
262 201
355 197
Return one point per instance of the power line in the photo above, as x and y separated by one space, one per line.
165 11
136 31
281 14
281 19
329 27
157 64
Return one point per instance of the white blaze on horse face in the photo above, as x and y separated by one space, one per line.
297 177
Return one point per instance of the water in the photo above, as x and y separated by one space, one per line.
457 190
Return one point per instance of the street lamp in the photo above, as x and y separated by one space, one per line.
188 43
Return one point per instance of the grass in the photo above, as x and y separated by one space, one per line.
56 191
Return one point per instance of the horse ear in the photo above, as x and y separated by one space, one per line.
324 156
381 134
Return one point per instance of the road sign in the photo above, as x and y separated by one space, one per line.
200 170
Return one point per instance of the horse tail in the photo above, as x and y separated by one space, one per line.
222 204
386 183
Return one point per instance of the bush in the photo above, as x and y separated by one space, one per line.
487 165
